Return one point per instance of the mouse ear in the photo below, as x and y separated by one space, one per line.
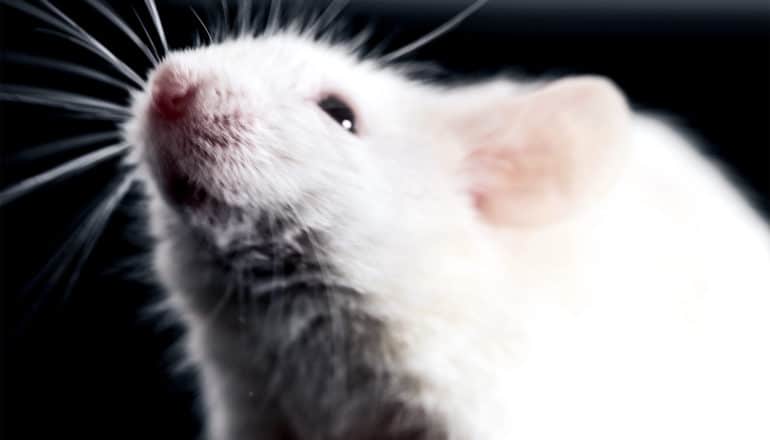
536 157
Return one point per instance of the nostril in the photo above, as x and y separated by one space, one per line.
172 93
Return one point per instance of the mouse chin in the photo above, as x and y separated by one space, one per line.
178 189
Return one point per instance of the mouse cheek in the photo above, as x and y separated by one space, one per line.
194 163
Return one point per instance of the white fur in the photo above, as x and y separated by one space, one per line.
643 316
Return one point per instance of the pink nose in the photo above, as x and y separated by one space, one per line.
173 93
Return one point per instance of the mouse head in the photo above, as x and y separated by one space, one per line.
306 134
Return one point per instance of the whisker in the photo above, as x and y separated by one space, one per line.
98 47
64 66
147 34
83 239
56 98
153 8
66 32
87 45
39 14
244 18
94 114
110 15
61 145
95 227
332 11
358 42
273 17
437 33
74 166
376 51
223 27
203 25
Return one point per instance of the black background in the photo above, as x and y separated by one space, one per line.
95 362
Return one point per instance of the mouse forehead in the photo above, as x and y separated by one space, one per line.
288 70
285 62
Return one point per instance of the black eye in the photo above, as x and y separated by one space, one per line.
340 112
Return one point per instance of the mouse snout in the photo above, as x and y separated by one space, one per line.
173 93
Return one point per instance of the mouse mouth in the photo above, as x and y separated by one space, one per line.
186 156
180 164
193 168
196 138
178 188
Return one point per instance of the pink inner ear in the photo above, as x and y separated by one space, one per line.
516 187
540 157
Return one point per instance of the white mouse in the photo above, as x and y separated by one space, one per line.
361 255
357 254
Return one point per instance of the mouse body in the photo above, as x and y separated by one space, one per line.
361 255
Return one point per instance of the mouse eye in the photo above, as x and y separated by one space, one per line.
340 112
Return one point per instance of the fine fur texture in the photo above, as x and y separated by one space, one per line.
494 261
358 254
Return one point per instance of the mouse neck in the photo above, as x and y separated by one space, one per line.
287 350
308 362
